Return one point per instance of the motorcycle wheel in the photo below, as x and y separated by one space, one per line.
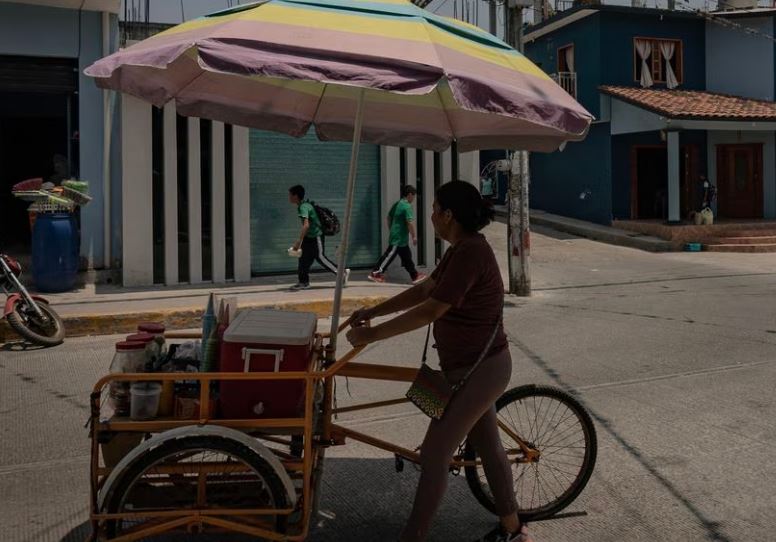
29 326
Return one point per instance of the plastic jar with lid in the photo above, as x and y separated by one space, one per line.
130 357
153 348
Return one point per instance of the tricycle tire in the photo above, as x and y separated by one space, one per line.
115 500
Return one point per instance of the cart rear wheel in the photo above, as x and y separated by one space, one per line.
196 473
558 426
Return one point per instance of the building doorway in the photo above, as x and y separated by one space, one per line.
740 181
38 135
649 181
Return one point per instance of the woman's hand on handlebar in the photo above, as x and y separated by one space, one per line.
360 333
360 336
361 317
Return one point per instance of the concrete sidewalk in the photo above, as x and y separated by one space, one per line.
596 232
99 309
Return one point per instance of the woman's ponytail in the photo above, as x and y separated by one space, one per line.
487 213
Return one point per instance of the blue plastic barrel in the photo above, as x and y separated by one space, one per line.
55 245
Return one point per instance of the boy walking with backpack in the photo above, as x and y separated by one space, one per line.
401 223
311 239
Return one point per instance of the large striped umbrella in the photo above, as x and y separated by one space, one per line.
283 65
379 71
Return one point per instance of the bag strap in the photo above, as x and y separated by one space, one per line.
425 348
483 353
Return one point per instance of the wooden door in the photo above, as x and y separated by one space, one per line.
739 181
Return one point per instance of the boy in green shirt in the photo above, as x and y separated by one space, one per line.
311 240
401 224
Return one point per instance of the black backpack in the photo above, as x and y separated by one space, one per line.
329 222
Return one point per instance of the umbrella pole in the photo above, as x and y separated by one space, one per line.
343 249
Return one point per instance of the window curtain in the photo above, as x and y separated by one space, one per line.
570 59
644 48
667 49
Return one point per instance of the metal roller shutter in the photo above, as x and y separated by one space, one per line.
31 74
277 162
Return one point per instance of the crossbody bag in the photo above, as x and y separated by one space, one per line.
430 391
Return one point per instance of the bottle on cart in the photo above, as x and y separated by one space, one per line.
130 357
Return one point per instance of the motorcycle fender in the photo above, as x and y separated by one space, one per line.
12 299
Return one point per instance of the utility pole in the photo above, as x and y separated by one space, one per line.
519 232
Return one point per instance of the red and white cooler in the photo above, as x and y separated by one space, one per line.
262 341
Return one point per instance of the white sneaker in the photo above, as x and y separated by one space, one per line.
299 286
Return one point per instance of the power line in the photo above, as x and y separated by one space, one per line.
723 21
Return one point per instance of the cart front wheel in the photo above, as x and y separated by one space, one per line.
209 473
561 441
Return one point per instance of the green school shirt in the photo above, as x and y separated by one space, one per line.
400 214
306 210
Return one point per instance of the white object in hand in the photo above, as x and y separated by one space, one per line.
294 253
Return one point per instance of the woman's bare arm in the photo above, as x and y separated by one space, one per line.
405 300
417 317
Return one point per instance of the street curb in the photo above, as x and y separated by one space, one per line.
184 318
597 232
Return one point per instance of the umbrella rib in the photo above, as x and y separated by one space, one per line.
190 82
444 109
318 105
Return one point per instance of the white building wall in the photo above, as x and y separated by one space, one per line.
136 193
137 196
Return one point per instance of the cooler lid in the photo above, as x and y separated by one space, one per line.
272 327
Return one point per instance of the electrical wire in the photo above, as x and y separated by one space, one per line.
722 21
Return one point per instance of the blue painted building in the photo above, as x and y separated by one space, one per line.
52 117
679 100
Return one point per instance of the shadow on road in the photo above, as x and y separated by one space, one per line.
366 500
712 528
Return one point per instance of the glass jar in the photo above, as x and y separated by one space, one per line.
130 357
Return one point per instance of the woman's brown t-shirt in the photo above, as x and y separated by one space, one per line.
468 279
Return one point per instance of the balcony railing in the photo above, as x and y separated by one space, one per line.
567 81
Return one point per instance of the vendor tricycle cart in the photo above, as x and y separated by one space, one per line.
260 476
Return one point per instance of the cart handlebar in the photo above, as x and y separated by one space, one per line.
342 327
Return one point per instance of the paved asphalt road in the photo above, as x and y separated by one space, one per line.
673 354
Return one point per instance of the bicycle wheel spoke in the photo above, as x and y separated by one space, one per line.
563 452
570 417
567 474
533 493
560 483
573 465
551 420
539 417
563 418
562 436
